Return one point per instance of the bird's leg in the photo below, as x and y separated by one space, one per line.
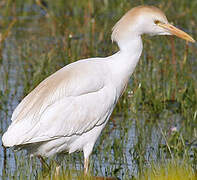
43 162
87 150
57 170
58 160
86 164
58 166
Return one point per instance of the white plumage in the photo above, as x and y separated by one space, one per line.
69 109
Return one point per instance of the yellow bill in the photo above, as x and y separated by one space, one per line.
177 32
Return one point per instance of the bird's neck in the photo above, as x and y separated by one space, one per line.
123 63
126 59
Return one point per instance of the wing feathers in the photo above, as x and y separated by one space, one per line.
71 101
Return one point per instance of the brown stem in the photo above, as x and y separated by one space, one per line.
174 63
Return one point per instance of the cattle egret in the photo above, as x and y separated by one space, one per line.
69 109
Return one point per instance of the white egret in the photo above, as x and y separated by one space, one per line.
69 109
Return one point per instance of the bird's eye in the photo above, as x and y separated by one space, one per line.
156 22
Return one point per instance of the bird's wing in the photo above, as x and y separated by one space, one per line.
72 80
73 116
71 101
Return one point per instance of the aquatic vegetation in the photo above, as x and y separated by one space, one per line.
169 171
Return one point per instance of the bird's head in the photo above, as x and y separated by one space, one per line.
145 20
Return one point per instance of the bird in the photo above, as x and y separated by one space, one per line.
69 109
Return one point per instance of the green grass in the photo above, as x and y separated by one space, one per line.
169 171
162 93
